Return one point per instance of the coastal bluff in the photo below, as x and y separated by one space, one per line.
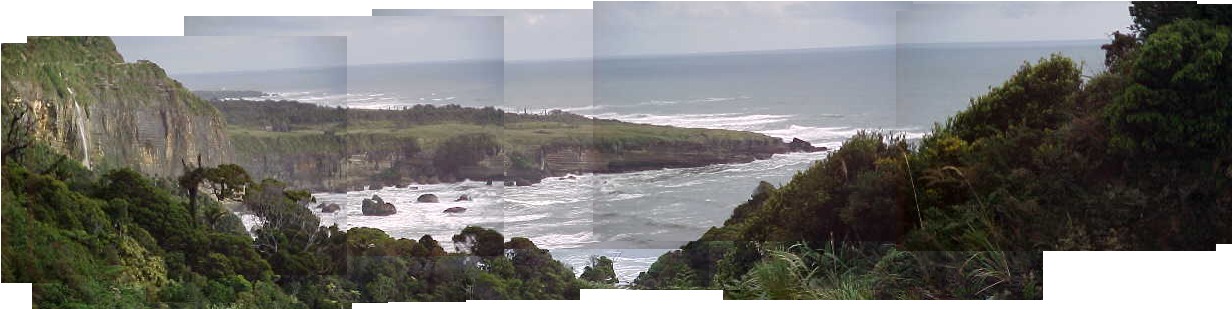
80 97
339 149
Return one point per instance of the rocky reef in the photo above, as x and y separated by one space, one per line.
375 206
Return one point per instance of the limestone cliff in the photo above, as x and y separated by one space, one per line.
86 102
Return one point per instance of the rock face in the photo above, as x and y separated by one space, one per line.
87 103
329 208
454 210
798 145
427 198
462 198
375 206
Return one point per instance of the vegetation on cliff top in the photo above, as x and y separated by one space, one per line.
48 67
398 145
1135 158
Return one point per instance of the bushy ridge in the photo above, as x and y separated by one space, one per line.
1135 158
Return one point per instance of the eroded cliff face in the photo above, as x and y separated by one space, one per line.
87 103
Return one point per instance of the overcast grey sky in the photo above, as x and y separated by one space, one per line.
530 34
375 40
640 28
621 28
943 22
182 55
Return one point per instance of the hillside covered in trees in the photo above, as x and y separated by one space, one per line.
127 234
1135 158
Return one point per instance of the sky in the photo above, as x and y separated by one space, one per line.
949 22
375 40
612 29
530 34
646 28
187 55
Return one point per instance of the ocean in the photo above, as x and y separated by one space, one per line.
823 96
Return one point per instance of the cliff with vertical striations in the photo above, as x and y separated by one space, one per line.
86 102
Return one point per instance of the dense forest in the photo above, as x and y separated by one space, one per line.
121 239
1135 158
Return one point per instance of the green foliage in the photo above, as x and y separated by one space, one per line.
228 181
1149 16
480 242
1036 98
1177 103
600 270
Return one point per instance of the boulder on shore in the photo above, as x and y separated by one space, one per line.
329 208
797 144
375 206
454 210
428 198
464 197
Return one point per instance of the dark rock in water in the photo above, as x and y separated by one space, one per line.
454 210
463 198
522 182
797 144
509 183
413 188
329 208
375 186
377 207
428 198
489 183
400 186
571 177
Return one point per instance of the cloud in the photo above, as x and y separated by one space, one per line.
234 53
375 40
638 28
633 28
927 22
530 34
